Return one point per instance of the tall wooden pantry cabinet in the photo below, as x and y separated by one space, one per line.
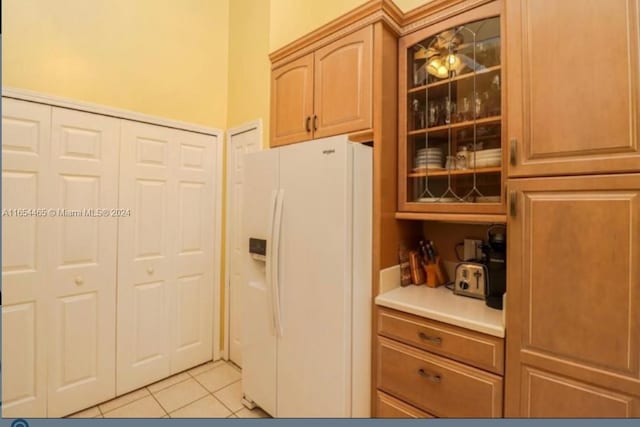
573 300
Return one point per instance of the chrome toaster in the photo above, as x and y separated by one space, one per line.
471 280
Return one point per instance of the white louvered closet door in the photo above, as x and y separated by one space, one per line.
165 257
82 260
25 161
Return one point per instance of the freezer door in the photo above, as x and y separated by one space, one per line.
314 351
258 331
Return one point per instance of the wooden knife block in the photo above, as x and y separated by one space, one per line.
436 275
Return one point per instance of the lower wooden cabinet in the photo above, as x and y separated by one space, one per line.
413 382
573 344
546 395
390 407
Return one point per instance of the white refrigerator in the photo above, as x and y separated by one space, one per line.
306 294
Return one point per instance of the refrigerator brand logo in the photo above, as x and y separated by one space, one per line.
328 151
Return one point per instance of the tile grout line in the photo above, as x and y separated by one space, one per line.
197 400
218 389
124 404
158 402
102 413
169 386
219 400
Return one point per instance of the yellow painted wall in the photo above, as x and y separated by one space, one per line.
291 19
407 5
249 66
167 58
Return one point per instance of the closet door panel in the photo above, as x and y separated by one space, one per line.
82 293
193 288
26 129
145 266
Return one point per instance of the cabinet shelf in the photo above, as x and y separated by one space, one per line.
483 121
496 169
454 79
452 217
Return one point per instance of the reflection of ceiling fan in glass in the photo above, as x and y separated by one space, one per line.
442 57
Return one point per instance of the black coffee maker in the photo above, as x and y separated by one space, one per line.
495 252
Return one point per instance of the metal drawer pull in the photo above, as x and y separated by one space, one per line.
513 152
434 340
315 122
306 125
434 378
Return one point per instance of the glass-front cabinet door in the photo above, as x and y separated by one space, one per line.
451 108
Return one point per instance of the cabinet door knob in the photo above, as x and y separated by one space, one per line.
78 280
513 151
434 378
150 270
433 340
306 125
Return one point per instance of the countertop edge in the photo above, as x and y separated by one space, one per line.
462 322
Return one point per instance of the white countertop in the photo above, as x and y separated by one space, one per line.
442 305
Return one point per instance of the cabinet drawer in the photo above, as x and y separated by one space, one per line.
474 348
442 387
390 407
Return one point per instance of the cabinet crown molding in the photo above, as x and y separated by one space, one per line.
386 11
368 13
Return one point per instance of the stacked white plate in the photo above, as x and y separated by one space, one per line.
437 200
488 199
431 158
486 158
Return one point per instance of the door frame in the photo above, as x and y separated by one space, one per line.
217 240
245 127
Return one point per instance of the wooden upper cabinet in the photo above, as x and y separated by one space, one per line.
343 84
573 86
326 92
292 102
574 286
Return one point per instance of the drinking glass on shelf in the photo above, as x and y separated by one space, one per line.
433 114
478 106
462 158
418 115
464 111
451 163
447 110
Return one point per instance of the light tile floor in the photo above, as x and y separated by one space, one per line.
211 390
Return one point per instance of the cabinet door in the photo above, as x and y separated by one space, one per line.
574 285
292 102
26 129
547 395
343 85
573 90
81 282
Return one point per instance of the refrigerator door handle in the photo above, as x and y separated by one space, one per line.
275 269
269 261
